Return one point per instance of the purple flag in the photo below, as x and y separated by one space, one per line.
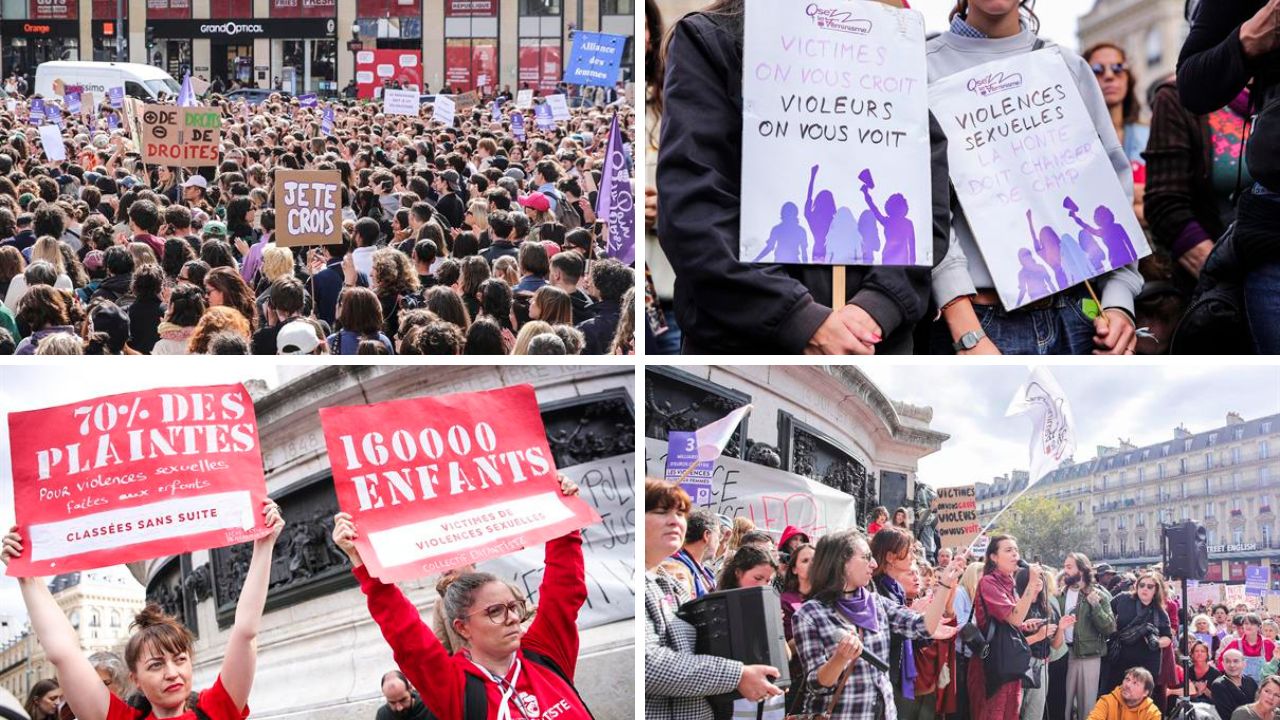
616 202
544 118
308 101
517 125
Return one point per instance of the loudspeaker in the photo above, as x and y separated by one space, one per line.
744 624
1188 551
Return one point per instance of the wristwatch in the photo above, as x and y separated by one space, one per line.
969 340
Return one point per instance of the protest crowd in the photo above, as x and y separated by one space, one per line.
1202 181
982 637
477 236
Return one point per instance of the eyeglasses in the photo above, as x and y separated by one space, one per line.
1146 586
497 614
1100 69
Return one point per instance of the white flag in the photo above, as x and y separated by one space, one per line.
712 438
1054 438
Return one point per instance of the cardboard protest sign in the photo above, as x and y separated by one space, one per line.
559 105
467 100
181 136
835 135
1035 182
443 110
51 140
772 499
437 482
135 476
957 511
1204 593
524 98
308 207
608 547
400 102
596 59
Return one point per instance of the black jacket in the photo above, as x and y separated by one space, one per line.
144 319
725 305
1212 68
599 330
451 207
1127 610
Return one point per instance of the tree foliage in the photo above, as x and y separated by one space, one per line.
1046 529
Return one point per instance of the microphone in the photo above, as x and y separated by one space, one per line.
875 661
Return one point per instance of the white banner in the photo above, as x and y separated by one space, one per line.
835 135
443 111
772 499
1037 187
524 98
609 547
400 102
559 105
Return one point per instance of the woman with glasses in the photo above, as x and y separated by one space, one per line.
1118 84
1142 630
519 671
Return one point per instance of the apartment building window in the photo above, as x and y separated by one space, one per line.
1186 512
1186 445
1263 454
1141 474
1264 532
1182 466
1142 544
1235 503
1239 433
1160 471
1235 481
1266 428
1213 439
1208 461
1208 510
1235 456
1237 536
1183 487
1264 475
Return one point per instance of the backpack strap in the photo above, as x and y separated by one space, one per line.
475 699
546 662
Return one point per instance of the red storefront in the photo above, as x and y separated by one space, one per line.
471 44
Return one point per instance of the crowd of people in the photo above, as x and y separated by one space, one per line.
1208 201
991 637
476 239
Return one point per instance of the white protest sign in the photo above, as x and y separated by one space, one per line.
524 98
51 141
443 110
608 547
400 102
772 499
559 105
1036 184
835 135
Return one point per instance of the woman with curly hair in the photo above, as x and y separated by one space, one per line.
495 303
215 320
44 310
396 284
225 287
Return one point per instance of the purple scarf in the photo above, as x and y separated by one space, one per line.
860 609
909 673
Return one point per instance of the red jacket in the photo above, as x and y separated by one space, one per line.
441 678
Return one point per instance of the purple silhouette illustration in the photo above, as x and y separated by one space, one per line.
1048 247
819 212
1093 251
899 231
1033 280
869 230
787 238
845 243
1120 251
1074 261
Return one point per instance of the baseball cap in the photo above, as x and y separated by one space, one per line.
196 181
535 200
451 178
297 338
214 227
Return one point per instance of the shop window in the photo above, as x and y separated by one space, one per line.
540 8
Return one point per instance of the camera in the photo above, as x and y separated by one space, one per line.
973 639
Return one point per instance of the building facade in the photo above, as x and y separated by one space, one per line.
1150 31
320 656
305 45
100 604
830 424
1226 478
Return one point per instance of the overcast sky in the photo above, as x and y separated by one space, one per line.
31 387
1140 404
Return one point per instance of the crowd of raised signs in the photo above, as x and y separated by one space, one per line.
478 236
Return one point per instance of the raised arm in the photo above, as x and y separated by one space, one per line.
554 631
241 658
1035 239
871 205
808 202
416 649
81 686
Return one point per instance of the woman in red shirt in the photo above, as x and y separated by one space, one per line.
879 516
998 601
159 654
523 674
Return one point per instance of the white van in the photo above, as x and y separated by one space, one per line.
139 81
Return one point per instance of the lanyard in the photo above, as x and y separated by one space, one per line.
508 691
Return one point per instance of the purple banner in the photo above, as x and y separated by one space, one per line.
616 203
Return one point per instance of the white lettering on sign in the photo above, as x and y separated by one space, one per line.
317 204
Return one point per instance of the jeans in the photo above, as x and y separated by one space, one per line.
1257 223
1262 307
668 343
1061 329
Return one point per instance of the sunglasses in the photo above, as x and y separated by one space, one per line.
1100 69
497 614
1146 586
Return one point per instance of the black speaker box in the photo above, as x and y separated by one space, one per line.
1188 548
744 625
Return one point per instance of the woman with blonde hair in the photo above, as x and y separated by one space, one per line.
478 214
741 526
505 268
216 319
530 330
142 254
46 249
624 339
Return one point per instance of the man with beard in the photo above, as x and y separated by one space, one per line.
1130 701
403 702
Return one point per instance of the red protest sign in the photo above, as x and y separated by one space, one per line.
438 482
135 476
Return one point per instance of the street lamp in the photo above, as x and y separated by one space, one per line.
354 46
